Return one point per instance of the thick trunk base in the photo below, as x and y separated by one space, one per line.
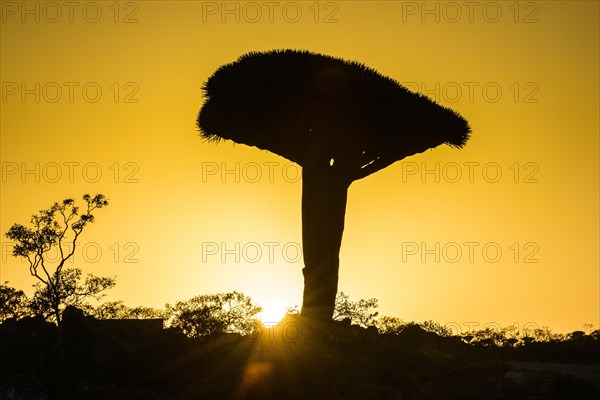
323 210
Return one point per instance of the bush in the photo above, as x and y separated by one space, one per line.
213 314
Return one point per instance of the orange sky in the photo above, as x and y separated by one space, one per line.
93 105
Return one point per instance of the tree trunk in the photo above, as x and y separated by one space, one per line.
56 310
55 301
324 197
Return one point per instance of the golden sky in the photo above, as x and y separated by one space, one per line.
101 97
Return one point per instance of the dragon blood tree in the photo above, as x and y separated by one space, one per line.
340 121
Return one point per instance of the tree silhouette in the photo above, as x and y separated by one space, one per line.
58 228
341 121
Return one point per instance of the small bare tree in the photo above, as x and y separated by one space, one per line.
58 228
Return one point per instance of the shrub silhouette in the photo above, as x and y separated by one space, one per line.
13 303
362 312
213 314
118 310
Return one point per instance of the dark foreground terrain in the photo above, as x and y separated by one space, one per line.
89 359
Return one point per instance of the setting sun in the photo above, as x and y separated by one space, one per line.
273 311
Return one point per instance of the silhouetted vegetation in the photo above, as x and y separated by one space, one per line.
362 312
213 314
57 229
392 325
67 289
13 303
118 310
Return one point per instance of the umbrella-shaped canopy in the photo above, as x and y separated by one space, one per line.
306 106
